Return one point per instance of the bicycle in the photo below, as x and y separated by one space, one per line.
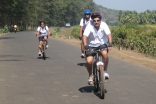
43 49
15 30
98 72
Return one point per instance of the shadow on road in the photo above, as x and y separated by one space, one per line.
98 94
82 64
86 89
42 58
6 37
10 56
90 89
12 60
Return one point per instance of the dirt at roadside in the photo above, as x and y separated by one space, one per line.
130 56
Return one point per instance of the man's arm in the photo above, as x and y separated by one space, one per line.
49 33
81 28
107 31
81 31
85 36
38 32
84 40
110 41
109 38
48 30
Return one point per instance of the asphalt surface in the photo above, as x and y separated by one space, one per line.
62 78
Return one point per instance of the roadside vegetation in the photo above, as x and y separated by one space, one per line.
4 30
129 36
28 13
136 31
134 37
131 30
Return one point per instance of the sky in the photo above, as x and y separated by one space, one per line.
131 5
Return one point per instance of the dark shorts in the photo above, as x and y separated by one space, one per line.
91 50
41 38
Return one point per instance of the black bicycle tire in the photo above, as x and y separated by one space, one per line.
96 83
44 52
101 78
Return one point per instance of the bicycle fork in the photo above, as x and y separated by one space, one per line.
99 63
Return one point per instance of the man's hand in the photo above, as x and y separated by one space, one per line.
110 45
86 47
49 35
80 37
37 35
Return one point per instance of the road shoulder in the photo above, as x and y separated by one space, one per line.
127 55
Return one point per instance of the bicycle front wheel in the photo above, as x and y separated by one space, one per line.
44 52
96 83
101 81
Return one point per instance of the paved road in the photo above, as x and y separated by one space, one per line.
60 79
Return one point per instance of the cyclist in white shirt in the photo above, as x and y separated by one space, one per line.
42 33
83 23
96 35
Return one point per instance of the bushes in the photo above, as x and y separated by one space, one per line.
69 33
134 37
54 31
5 29
75 32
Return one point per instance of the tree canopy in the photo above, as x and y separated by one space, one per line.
147 17
26 13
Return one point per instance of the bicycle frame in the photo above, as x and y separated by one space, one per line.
44 49
98 58
43 45
98 67
97 62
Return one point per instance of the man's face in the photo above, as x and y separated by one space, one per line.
96 22
42 24
87 16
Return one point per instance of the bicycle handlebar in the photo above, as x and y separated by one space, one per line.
48 35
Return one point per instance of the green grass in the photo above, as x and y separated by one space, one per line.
62 32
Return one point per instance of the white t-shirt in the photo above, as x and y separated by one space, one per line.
85 23
96 38
43 31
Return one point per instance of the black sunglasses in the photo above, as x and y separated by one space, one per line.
96 20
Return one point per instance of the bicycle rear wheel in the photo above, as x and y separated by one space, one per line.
44 52
96 84
101 81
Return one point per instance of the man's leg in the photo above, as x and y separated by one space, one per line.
82 50
39 48
105 60
82 47
40 45
89 61
46 38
